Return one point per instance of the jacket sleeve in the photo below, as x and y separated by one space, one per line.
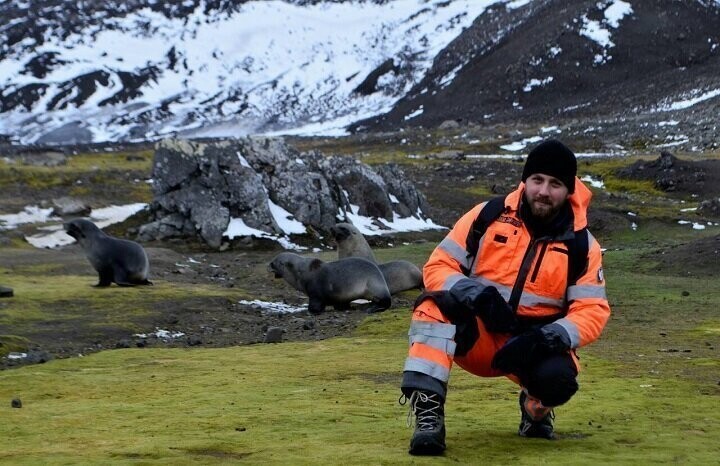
589 309
444 269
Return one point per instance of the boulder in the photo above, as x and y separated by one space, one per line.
710 207
64 206
200 187
6 292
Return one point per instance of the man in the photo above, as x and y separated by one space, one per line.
510 295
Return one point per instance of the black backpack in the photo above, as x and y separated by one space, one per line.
577 247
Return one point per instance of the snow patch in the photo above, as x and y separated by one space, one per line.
30 214
687 103
102 217
594 182
520 145
161 334
537 83
280 308
598 31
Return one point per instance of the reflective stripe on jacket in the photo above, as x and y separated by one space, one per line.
530 273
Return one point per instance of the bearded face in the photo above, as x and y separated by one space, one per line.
545 195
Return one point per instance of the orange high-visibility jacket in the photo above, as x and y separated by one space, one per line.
535 270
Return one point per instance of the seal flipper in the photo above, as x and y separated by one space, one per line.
342 306
315 306
105 277
379 305
121 277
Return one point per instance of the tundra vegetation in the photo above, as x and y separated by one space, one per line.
649 387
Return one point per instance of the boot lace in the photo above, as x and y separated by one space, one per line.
424 407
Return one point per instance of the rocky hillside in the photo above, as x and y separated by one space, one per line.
645 65
77 72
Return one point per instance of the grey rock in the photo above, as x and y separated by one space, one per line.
44 158
449 124
411 201
194 340
358 185
38 357
69 206
710 206
273 335
199 188
6 292
16 403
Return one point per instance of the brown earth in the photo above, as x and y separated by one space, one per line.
220 321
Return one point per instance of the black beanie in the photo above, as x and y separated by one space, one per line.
553 158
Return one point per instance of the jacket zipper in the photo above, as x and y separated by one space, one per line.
538 262
517 289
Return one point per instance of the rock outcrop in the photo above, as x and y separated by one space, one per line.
200 187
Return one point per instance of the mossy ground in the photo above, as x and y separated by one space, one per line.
330 402
649 386
649 389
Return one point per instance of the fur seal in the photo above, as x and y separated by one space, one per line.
350 242
333 283
400 275
115 260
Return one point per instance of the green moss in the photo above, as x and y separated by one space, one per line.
101 168
480 191
257 404
649 387
12 343
71 303
709 329
336 400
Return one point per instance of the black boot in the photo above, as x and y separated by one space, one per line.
531 428
429 435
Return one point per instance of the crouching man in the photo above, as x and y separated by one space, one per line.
513 290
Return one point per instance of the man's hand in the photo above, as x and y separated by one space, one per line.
530 347
484 302
519 352
495 312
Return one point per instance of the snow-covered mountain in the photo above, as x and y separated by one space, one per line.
119 71
91 71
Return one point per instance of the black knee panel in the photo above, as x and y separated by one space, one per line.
553 381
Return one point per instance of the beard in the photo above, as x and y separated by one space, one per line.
543 209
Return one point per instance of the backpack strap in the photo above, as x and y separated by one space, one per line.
578 248
491 211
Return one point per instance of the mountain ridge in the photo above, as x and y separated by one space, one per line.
220 68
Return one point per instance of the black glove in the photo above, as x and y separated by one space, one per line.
486 303
528 348
495 312
555 338
519 352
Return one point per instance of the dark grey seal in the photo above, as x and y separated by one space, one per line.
115 260
334 283
400 275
